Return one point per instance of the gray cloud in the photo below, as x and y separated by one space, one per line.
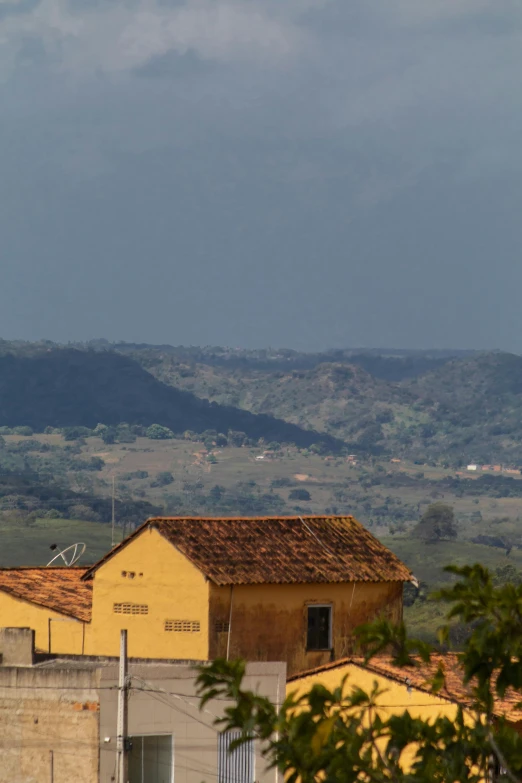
313 172
116 37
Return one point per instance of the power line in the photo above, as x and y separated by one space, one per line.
58 688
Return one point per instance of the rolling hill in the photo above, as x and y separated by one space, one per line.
431 407
456 410
69 387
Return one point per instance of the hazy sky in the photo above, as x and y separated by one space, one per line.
302 173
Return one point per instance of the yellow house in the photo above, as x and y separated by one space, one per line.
55 602
405 688
288 588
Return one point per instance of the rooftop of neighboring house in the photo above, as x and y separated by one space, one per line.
418 677
276 550
60 589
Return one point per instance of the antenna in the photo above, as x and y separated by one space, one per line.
70 555
113 514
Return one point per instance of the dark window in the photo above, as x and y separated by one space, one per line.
319 635
236 766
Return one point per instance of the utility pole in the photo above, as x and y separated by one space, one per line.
113 514
121 731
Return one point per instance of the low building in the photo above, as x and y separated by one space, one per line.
58 719
54 601
288 588
406 688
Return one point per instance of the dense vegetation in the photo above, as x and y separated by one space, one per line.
431 406
25 495
432 409
67 388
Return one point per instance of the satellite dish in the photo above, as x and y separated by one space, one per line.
70 555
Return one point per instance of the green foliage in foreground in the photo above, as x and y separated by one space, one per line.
339 735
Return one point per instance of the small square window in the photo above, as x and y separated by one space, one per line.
319 630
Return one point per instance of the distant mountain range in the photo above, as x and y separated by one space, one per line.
61 387
427 406
420 406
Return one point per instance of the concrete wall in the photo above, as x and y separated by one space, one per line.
269 622
149 572
16 646
177 713
47 710
62 713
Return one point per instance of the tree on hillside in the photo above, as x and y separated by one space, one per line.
507 573
108 435
159 432
236 438
163 479
299 494
437 523
340 735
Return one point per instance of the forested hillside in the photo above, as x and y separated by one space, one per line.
431 407
68 387
459 410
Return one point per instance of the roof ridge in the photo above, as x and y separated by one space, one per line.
250 518
360 660
320 548
383 666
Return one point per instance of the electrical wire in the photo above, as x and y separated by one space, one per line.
58 688
162 697
317 538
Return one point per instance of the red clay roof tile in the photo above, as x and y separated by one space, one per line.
281 550
60 589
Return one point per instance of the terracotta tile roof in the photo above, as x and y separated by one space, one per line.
278 549
60 589
417 677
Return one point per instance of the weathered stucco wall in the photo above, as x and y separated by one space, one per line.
395 697
151 574
44 710
269 622
67 634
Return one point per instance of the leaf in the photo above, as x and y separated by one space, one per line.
439 679
322 734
